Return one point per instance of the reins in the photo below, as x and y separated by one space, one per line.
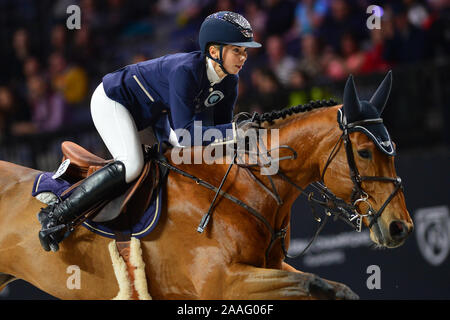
332 205
205 219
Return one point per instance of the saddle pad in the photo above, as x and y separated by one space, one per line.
45 183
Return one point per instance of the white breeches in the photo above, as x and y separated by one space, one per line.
118 130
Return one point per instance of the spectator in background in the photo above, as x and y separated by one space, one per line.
333 64
31 67
59 10
48 109
340 20
302 90
90 16
58 39
352 54
117 16
139 57
6 109
224 5
268 94
281 64
408 43
83 49
21 51
12 110
188 12
438 25
309 15
280 16
70 80
256 16
298 84
417 13
244 101
310 61
373 55
351 59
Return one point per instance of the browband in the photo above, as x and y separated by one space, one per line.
362 122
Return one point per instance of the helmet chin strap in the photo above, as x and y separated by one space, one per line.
220 60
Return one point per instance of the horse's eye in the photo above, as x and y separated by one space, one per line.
364 153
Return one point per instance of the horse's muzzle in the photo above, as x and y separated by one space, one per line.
400 230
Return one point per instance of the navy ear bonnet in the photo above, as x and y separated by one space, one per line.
365 116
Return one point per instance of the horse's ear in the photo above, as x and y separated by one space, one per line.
381 96
351 100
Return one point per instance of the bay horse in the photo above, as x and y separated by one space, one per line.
236 257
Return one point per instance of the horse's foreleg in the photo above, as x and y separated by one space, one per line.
248 282
337 287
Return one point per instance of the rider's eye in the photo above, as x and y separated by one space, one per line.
366 154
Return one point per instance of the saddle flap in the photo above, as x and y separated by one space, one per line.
135 200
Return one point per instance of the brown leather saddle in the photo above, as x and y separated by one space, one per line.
137 197
136 201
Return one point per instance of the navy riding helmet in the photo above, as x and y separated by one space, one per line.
225 27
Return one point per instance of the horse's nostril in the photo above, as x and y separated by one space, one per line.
398 230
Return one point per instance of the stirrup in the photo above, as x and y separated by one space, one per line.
49 238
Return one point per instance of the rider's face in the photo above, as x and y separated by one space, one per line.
233 57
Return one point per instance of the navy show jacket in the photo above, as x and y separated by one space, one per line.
173 91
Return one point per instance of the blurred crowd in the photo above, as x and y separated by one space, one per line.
48 71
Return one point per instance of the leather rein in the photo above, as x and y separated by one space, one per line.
332 205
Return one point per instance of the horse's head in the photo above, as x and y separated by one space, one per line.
362 169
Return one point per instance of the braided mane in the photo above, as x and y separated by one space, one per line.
270 117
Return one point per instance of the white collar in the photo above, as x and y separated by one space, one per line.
212 75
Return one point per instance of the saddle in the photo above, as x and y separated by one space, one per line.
133 202
132 205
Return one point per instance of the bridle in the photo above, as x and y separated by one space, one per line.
332 205
358 194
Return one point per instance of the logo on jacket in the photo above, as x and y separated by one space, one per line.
213 98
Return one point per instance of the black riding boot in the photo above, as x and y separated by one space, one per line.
99 186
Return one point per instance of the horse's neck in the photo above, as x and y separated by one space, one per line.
312 136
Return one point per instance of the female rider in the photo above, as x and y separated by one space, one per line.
172 92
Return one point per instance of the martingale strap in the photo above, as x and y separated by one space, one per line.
220 192
332 205
330 201
205 219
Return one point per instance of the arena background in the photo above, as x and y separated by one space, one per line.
47 73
